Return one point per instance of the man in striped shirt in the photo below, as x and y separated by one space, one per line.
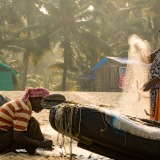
18 129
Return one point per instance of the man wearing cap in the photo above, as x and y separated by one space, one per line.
18 129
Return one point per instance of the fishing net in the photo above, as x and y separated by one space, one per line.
134 100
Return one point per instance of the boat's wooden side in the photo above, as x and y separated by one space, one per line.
3 99
93 131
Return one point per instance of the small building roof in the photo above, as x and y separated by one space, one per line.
8 68
91 74
118 59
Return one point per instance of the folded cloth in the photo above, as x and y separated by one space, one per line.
35 92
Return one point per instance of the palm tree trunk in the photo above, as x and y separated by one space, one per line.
66 49
25 69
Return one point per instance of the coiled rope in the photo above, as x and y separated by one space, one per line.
64 119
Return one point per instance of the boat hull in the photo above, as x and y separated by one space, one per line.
93 131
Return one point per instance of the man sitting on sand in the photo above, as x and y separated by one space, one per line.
18 129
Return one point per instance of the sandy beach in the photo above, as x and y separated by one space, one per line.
104 99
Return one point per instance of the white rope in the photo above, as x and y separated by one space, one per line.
63 122
79 124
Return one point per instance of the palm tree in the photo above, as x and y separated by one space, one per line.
81 33
74 27
124 18
22 33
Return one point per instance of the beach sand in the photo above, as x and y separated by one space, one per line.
108 99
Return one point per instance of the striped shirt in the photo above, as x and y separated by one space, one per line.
16 114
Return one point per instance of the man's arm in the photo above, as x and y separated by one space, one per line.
21 138
147 86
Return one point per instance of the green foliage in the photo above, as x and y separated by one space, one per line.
85 32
